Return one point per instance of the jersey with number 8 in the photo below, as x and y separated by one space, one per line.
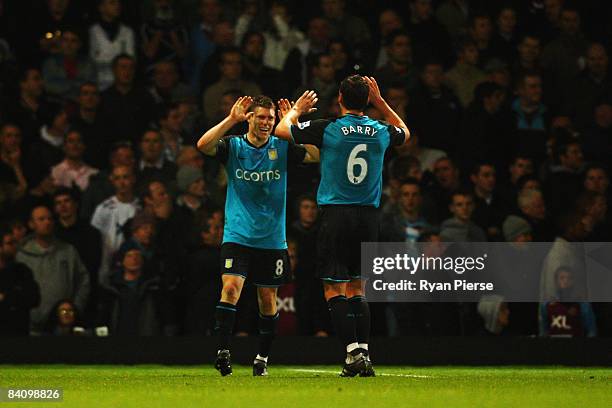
352 152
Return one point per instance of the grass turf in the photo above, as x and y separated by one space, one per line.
315 386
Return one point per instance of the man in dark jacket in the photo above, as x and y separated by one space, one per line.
18 290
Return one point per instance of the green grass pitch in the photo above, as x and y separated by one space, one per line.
315 386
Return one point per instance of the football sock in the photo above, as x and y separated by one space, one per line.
267 332
225 316
344 325
361 315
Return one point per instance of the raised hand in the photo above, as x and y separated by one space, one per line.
239 110
306 102
284 106
375 96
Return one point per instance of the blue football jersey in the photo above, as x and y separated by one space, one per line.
352 152
256 190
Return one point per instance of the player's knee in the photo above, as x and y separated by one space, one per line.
231 292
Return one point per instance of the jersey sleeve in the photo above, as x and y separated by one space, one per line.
309 132
397 136
223 149
295 154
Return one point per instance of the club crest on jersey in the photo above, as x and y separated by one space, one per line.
228 263
272 154
303 125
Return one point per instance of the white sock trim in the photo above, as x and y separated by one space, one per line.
351 347
260 358
363 346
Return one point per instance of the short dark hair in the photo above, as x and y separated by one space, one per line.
399 167
475 170
52 111
411 181
164 110
122 56
261 101
70 192
461 192
355 91
563 140
485 90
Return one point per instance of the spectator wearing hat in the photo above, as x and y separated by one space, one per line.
192 188
495 314
516 229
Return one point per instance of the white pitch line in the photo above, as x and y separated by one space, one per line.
308 370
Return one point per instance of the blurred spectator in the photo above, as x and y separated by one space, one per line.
564 56
64 320
519 167
153 162
132 301
453 14
498 72
163 37
465 75
350 28
310 304
490 210
430 38
323 82
100 186
595 206
584 91
169 121
18 291
529 52
108 39
94 132
80 234
486 128
201 42
31 104
399 68
202 281
461 228
231 78
516 229
193 190
427 157
560 317
253 46
166 87
401 168
341 60
530 116
495 314
405 222
206 55
533 208
111 215
434 109
447 180
566 252
280 36
565 180
596 179
480 30
598 136
126 106
389 21
316 42
47 150
13 184
56 266
72 171
67 70
504 40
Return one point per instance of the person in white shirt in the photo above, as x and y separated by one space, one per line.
109 38
72 170
111 215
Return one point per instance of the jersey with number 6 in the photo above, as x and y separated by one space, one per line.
352 151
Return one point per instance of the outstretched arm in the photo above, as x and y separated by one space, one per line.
379 103
303 105
208 142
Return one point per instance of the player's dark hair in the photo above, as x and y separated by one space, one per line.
355 91
261 101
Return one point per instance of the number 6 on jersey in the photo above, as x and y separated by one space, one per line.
354 161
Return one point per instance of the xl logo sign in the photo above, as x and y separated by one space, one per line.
285 304
560 322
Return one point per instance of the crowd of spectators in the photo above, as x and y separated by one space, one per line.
112 220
